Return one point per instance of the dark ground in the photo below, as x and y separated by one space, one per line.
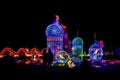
38 72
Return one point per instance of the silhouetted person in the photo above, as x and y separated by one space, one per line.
49 57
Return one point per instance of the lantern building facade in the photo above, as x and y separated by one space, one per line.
54 34
57 38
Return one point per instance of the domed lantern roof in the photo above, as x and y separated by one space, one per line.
55 29
77 41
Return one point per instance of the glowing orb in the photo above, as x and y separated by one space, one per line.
62 56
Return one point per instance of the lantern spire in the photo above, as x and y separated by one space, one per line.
57 18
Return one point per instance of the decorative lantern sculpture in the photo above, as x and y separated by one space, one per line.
96 51
57 38
54 34
62 56
77 50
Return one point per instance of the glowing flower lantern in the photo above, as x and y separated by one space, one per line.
62 56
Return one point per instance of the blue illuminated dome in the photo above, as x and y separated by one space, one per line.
77 41
54 29
95 51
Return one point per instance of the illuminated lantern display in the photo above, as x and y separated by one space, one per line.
96 51
54 34
77 50
57 38
35 58
61 58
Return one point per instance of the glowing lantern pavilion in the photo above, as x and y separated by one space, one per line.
54 34
96 51
57 39
77 50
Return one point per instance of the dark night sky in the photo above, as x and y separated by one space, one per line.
23 25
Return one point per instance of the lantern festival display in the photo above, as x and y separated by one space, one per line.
77 50
62 56
96 51
54 34
57 38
